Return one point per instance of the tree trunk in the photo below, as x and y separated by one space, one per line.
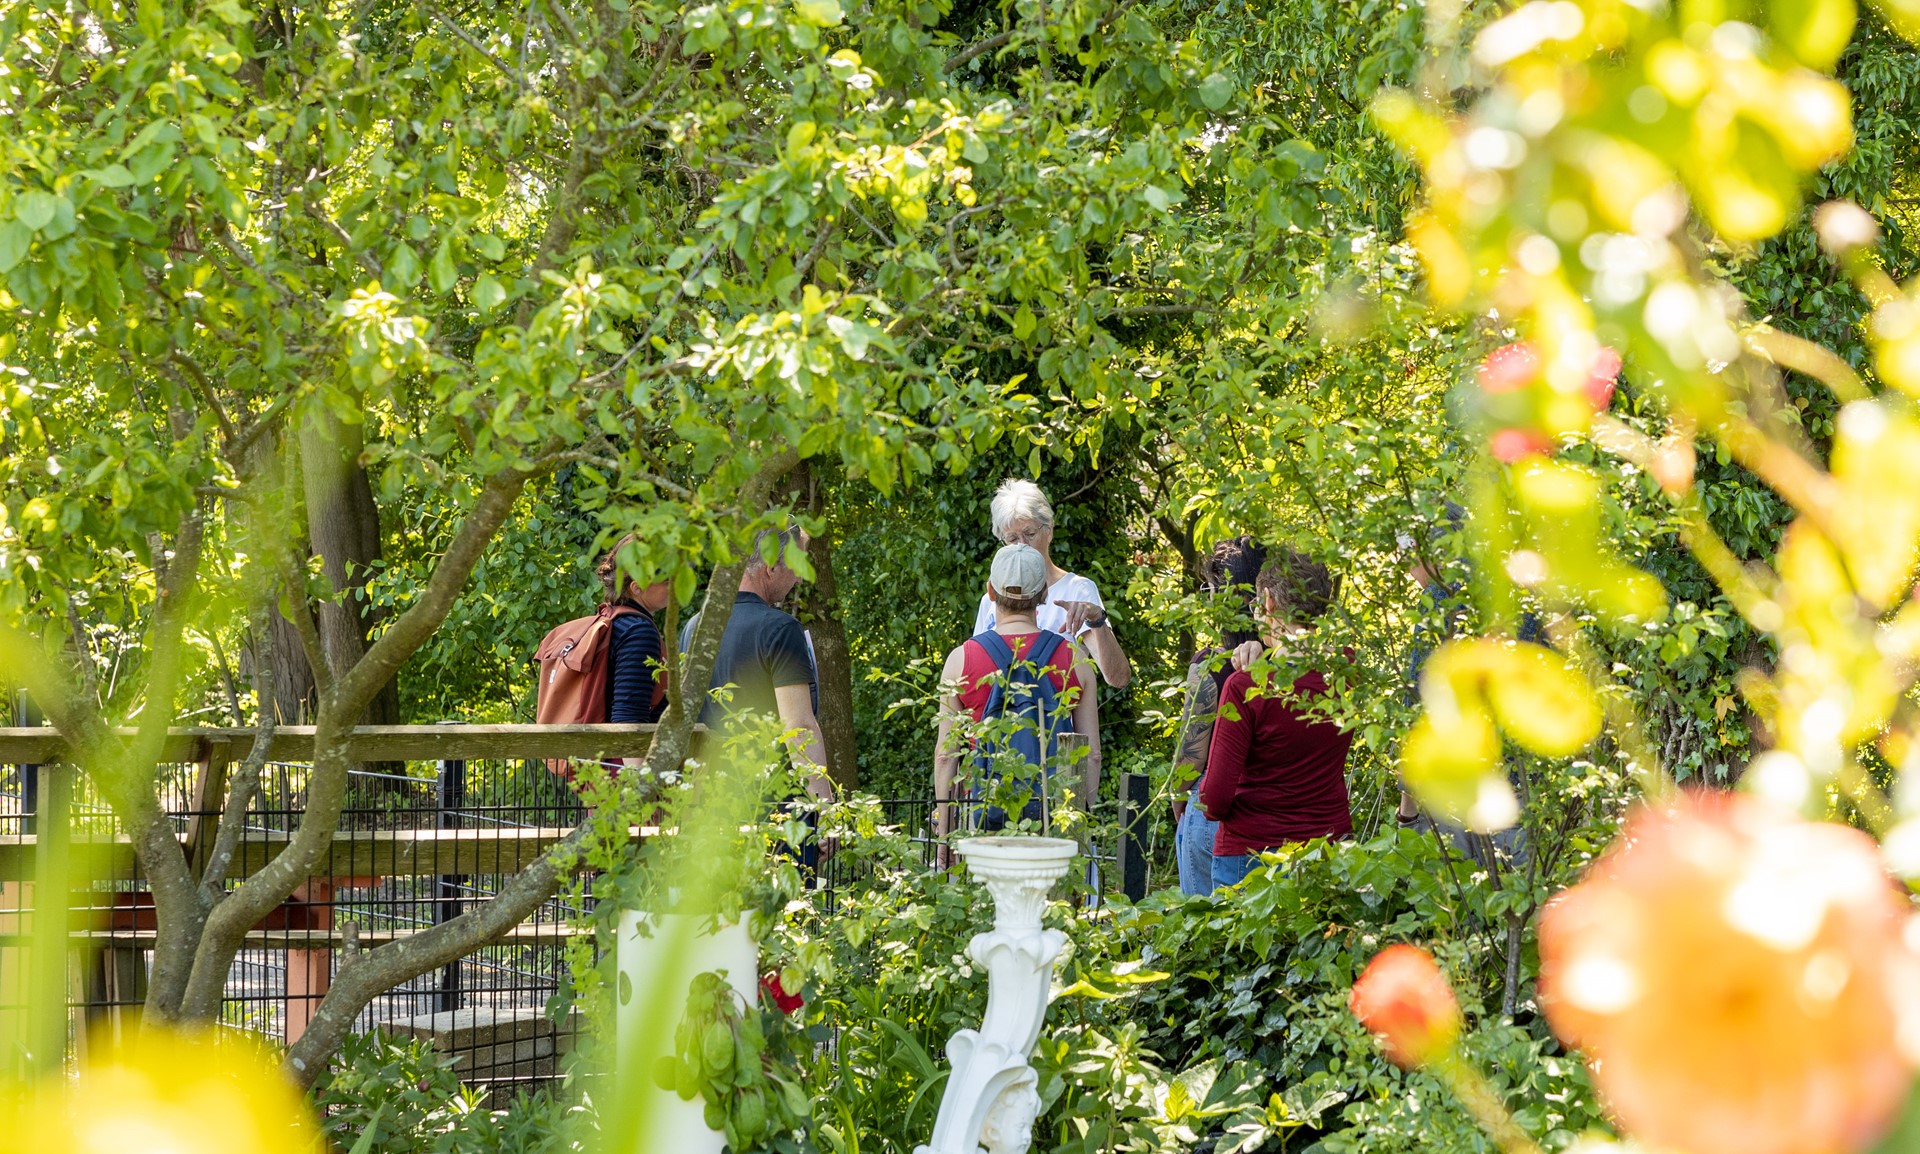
832 665
343 530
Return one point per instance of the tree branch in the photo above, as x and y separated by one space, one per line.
245 783
399 961
959 59
341 705
300 615
198 379
453 26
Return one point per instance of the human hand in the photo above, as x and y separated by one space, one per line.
1077 614
1246 653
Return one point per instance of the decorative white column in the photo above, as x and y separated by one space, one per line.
991 1100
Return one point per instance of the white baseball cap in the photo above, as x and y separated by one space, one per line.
1019 571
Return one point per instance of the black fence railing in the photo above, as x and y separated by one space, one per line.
418 843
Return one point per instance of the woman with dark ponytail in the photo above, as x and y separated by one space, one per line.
636 677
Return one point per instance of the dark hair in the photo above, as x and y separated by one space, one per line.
1232 568
1301 587
611 579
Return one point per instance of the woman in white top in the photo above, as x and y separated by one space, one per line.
1022 516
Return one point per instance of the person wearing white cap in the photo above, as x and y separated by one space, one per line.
1023 516
1013 666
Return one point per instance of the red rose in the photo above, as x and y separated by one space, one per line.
1510 445
787 1003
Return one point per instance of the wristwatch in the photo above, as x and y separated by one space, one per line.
1100 624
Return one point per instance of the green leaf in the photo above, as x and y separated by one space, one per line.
371 1133
488 293
441 273
15 237
1023 323
36 208
1161 198
112 176
819 13
403 268
487 245
1217 89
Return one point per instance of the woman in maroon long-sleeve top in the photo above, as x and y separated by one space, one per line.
1276 775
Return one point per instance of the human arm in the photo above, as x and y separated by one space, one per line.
1227 752
795 703
1196 731
1086 722
1091 628
1107 654
947 748
790 669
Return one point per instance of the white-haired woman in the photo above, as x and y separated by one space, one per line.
1023 516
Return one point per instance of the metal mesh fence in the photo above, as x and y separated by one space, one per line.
418 843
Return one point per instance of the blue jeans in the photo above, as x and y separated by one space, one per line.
1232 869
1193 850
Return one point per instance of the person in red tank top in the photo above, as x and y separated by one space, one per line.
1017 587
1275 773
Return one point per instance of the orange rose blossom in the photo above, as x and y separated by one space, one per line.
1404 1000
1740 980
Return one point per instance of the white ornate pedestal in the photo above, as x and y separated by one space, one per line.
991 1102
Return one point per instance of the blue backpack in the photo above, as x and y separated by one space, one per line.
1022 690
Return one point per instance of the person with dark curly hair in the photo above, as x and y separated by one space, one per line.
1276 774
1230 572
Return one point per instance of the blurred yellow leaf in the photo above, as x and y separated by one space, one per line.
1833 683
165 1092
1903 16
1451 762
1815 31
1896 345
1449 270
1541 703
1876 459
1472 690
1561 503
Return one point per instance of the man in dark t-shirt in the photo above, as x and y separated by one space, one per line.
763 658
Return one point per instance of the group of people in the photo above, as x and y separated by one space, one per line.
1261 769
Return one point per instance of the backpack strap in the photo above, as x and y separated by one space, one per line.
996 649
1041 651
